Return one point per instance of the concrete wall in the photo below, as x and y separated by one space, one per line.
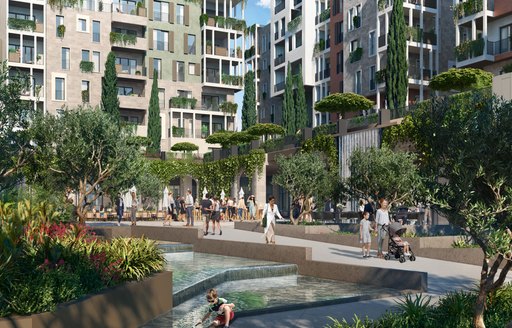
502 85
128 305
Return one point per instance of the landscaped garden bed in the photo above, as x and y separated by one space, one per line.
45 263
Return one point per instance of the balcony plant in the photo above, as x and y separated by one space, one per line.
204 131
122 38
319 46
203 19
220 21
141 10
356 55
86 66
239 52
380 76
178 132
357 21
294 23
209 47
324 15
61 29
85 96
183 102
137 73
22 24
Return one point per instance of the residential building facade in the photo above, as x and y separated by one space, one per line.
64 51
483 35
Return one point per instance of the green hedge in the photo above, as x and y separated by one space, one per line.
22 24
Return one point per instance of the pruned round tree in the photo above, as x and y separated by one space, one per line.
227 138
343 103
184 146
461 79
262 129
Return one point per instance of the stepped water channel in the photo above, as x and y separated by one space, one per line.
254 286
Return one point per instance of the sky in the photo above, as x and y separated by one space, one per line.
257 12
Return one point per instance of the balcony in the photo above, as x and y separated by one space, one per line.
382 40
499 47
182 102
133 101
22 24
279 7
129 41
233 80
471 7
129 14
415 72
212 75
356 55
279 60
469 49
323 16
279 86
131 72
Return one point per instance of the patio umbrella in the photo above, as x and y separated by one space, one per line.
241 193
204 193
165 199
222 194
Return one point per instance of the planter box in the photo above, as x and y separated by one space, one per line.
129 305
220 51
14 57
141 11
39 28
211 21
209 50
119 68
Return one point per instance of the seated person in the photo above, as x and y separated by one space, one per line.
399 242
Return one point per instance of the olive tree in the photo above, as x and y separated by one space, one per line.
343 103
461 79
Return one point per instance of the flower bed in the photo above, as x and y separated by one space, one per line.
45 263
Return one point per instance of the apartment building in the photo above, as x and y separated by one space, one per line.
483 35
65 52
429 29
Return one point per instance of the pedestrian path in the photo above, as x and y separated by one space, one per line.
443 277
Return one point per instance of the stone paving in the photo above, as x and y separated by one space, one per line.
443 276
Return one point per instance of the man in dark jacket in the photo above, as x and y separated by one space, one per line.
369 207
119 208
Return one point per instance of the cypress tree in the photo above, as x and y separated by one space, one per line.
109 100
396 66
249 102
301 119
154 121
288 104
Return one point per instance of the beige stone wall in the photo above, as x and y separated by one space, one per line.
76 41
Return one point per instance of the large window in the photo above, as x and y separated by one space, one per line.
124 91
85 55
161 40
60 91
95 31
160 11
181 71
82 25
157 65
58 21
180 14
371 43
191 44
96 61
65 58
128 66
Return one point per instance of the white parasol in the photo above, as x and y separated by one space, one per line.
204 193
241 193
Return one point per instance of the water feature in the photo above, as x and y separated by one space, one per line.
254 286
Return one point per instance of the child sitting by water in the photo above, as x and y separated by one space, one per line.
221 306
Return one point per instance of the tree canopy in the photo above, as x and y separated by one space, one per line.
343 103
229 138
184 146
301 117
109 99
249 101
154 120
261 129
382 172
461 79
84 150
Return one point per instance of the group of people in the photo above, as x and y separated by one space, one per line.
375 221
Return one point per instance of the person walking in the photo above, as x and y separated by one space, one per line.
189 205
215 218
241 208
251 203
271 211
119 208
206 212
382 220
133 209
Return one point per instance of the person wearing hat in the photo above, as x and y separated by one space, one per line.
251 203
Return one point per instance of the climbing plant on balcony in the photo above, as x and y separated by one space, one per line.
122 38
60 4
324 15
294 23
22 24
86 66
183 102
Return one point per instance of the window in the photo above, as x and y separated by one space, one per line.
60 92
95 31
85 91
298 39
372 78
181 71
161 40
82 25
85 55
96 61
354 17
180 14
124 91
157 65
371 43
58 21
191 44
339 62
338 31
128 66
354 44
160 11
357 82
191 69
65 58
264 43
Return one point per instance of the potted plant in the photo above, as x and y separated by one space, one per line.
203 19
357 21
238 52
61 29
209 47
204 131
141 10
38 59
137 73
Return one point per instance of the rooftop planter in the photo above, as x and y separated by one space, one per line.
182 102
467 8
86 66
22 24
294 23
122 38
232 79
356 55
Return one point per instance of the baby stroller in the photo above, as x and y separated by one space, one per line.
396 245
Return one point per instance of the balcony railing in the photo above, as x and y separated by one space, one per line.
279 60
279 86
415 73
499 47
469 49
279 7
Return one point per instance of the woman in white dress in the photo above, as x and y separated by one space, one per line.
271 211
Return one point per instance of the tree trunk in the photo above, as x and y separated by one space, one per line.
291 212
478 315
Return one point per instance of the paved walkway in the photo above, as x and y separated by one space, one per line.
443 276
